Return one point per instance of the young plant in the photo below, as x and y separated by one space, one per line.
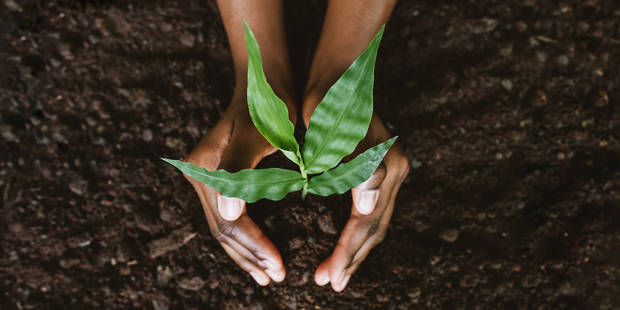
338 124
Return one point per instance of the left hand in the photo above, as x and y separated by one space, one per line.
373 203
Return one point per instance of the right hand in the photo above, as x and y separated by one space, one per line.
234 144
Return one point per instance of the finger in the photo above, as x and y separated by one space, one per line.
255 271
321 275
362 232
360 256
258 274
246 148
352 238
244 257
248 241
257 245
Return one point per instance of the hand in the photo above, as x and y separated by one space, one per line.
373 203
235 144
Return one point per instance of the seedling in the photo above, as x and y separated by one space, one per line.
338 124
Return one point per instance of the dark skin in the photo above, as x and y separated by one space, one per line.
235 144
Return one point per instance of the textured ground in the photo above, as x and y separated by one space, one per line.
508 111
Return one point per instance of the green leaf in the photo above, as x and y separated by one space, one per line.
342 118
350 174
248 184
269 113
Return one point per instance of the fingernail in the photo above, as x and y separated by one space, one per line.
229 208
274 275
367 201
322 279
260 278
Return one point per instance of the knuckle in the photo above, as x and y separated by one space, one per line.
224 231
227 228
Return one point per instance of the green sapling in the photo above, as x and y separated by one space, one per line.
337 125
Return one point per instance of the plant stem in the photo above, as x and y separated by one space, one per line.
302 170
302 167
304 190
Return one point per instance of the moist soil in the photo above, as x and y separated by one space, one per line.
507 111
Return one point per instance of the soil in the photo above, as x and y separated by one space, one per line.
507 110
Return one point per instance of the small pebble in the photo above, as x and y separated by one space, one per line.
164 274
193 284
541 57
414 293
12 6
147 135
421 226
187 39
506 51
248 290
290 302
326 224
78 186
469 281
295 243
161 302
521 26
562 60
449 235
7 134
507 84
383 298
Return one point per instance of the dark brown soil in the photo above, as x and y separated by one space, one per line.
508 111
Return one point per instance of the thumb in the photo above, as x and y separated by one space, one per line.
230 208
365 195
246 148
240 154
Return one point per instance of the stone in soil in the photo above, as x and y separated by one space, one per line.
193 284
172 242
326 224
449 235
161 302
78 186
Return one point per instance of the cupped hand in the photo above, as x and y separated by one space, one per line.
235 144
373 203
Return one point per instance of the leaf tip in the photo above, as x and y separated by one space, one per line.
379 35
248 31
388 143
381 30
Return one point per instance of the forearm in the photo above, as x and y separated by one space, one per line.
267 22
349 26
